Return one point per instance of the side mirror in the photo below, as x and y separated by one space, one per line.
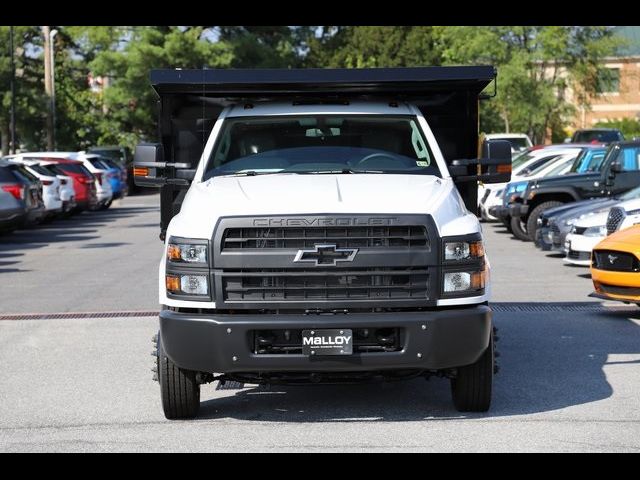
493 167
150 169
616 167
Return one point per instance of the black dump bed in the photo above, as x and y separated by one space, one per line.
191 101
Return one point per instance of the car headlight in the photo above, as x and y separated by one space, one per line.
193 253
516 187
598 231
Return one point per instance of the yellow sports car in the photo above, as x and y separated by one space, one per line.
615 266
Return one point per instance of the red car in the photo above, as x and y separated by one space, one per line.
83 181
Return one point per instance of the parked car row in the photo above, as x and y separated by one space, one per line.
579 212
37 186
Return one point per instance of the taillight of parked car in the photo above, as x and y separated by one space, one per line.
47 182
98 177
63 181
16 190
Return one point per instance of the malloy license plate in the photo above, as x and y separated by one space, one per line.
327 342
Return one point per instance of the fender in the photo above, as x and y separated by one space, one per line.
545 191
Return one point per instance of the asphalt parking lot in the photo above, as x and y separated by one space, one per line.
568 381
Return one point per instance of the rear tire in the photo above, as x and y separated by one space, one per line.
506 221
471 389
179 390
518 228
532 221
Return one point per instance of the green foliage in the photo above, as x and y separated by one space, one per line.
536 67
630 127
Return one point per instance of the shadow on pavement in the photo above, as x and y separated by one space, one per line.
549 361
78 228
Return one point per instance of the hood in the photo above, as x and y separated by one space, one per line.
567 178
282 194
587 208
626 240
573 208
595 220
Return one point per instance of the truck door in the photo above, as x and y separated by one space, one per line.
628 160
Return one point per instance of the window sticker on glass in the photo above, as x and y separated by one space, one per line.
422 163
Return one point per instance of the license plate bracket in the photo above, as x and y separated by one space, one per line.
325 342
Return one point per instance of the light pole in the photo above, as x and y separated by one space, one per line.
12 148
52 35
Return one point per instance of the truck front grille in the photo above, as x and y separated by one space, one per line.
408 236
288 285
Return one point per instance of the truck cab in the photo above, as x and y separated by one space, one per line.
322 234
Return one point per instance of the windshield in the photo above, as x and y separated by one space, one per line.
97 163
561 167
321 144
631 194
589 160
587 136
521 159
518 143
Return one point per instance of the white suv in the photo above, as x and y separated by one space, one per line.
104 192
50 185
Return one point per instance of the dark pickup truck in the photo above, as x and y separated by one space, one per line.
619 172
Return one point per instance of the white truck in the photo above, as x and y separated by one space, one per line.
317 229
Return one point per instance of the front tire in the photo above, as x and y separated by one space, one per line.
518 228
506 221
179 389
532 221
471 388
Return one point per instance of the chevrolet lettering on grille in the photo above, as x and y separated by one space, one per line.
325 255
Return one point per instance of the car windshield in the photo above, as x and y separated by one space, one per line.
518 143
521 159
40 169
631 194
587 136
321 144
589 160
99 164
112 154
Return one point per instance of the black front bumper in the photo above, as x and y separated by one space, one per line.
222 343
542 240
518 210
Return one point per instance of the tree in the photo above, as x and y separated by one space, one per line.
537 68
373 46
31 103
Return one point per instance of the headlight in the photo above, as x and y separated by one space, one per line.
458 282
187 253
187 284
458 251
516 187
599 231
464 271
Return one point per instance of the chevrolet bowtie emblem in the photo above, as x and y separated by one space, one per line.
326 255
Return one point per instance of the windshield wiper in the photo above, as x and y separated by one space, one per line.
343 171
248 173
